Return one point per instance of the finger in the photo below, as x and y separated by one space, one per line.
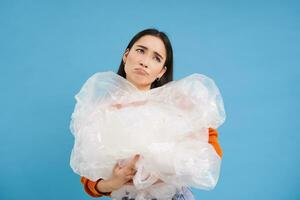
130 182
117 166
129 177
131 172
131 163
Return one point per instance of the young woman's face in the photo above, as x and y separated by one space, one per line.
144 62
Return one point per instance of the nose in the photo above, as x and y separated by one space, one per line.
145 62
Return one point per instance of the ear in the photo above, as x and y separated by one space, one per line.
125 55
162 72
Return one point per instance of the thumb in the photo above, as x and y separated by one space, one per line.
116 166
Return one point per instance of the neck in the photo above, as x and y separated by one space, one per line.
141 87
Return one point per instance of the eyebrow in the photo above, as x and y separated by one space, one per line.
146 48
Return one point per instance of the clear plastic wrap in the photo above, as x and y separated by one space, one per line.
168 126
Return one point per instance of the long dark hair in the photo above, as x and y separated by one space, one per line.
168 75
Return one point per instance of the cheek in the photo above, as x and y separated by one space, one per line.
133 58
156 70
130 63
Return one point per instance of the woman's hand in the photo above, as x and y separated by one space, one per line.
123 174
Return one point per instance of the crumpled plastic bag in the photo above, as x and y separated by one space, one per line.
168 126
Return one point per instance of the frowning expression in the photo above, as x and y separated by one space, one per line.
144 62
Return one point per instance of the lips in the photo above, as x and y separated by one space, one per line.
141 71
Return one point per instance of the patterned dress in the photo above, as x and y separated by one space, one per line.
185 194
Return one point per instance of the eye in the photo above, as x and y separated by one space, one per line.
157 59
140 50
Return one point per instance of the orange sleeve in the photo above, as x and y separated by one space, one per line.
90 188
213 140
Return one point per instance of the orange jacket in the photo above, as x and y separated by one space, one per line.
89 186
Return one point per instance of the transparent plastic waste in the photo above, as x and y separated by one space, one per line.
167 126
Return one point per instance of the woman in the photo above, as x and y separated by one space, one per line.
147 63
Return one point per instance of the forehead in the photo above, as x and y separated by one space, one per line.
152 43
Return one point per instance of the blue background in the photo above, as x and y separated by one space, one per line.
250 48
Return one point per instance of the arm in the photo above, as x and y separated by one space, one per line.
120 176
91 189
